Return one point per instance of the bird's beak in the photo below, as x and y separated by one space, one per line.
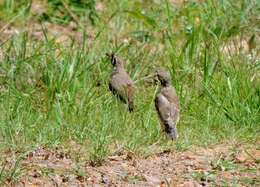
155 77
108 55
146 78
112 58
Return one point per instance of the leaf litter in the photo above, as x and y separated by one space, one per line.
214 166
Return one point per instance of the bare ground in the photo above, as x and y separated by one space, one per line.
222 165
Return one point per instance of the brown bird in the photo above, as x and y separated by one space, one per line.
167 104
120 83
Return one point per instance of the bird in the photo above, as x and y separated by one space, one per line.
167 104
120 83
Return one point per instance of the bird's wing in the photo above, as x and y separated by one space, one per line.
173 99
167 111
121 85
163 108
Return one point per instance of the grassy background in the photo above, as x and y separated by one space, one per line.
53 93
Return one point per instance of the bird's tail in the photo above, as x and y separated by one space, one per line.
130 106
130 97
171 131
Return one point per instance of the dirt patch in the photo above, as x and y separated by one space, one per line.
215 166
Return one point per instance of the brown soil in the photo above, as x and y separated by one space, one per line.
221 165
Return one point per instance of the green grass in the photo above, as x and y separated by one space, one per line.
52 93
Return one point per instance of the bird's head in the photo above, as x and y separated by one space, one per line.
115 61
163 76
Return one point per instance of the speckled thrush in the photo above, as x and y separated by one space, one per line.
167 104
120 83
